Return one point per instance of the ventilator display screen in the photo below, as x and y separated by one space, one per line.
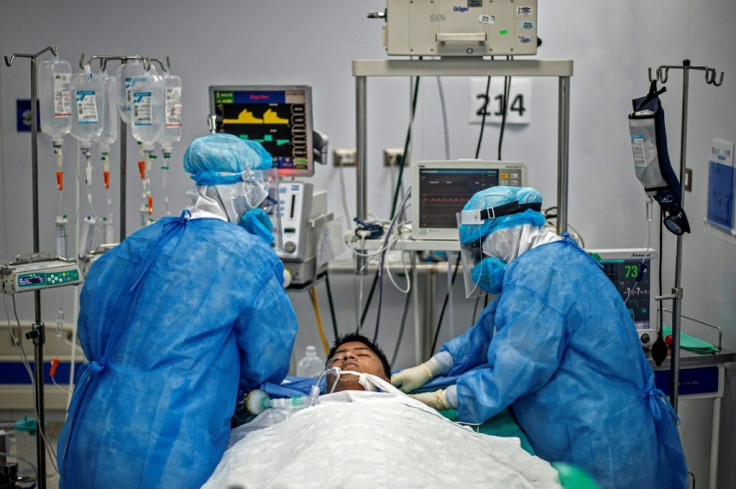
440 189
278 117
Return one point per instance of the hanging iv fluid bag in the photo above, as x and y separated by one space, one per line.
651 159
173 109
110 118
88 108
124 78
55 98
147 108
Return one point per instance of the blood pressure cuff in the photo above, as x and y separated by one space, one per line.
652 161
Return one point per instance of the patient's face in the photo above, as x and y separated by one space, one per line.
357 357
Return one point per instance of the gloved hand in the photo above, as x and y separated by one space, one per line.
435 400
257 222
413 378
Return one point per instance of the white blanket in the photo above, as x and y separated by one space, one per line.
373 440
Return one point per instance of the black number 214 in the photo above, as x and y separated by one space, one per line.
517 105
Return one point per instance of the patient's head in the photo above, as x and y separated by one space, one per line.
357 353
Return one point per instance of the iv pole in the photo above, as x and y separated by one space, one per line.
676 294
37 333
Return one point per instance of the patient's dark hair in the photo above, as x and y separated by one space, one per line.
350 337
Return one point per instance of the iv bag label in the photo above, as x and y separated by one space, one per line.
62 95
637 147
141 105
87 107
173 107
128 91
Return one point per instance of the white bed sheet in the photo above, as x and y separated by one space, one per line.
373 440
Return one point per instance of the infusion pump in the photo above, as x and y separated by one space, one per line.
460 27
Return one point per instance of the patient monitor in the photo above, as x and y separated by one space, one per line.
630 272
440 189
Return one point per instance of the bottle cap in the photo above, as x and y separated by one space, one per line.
311 351
26 424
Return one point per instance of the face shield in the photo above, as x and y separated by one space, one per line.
252 202
471 253
487 249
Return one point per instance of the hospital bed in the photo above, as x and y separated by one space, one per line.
392 439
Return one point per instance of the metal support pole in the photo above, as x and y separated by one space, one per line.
37 333
123 174
361 166
677 292
563 152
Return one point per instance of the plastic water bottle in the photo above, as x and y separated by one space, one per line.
55 98
89 107
310 365
147 108
124 79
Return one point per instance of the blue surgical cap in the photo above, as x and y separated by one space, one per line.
219 159
497 196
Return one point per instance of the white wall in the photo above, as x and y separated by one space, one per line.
290 41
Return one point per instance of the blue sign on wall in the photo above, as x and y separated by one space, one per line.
23 115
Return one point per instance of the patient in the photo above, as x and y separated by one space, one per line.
355 352
360 439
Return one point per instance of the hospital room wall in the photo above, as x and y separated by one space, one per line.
290 42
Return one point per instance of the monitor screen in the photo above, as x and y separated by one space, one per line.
440 189
278 117
630 272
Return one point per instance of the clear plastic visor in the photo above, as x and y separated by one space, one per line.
471 254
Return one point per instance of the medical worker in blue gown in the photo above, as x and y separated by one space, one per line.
565 355
173 320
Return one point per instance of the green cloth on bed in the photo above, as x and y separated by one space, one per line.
503 424
691 343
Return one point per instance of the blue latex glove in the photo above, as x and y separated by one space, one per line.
257 222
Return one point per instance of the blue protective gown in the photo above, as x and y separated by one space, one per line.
567 358
172 322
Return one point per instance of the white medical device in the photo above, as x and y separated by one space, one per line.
440 189
25 276
303 216
460 27
630 270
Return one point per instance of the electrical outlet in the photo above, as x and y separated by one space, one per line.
392 156
344 157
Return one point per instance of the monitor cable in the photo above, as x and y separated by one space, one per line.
402 163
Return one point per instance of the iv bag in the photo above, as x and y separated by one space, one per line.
88 108
147 108
124 77
173 108
110 119
55 99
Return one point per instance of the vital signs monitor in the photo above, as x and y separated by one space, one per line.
630 272
278 117
440 189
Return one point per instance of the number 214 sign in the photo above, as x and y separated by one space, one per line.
518 106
